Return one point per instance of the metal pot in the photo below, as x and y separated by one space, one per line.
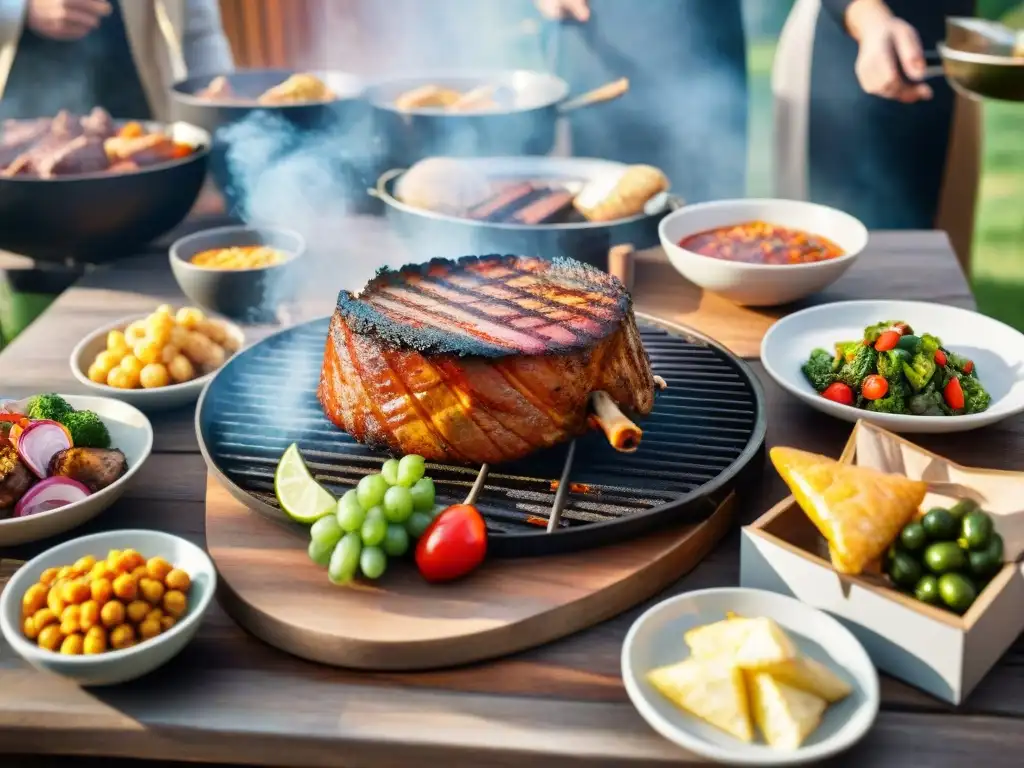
100 217
430 234
524 124
978 59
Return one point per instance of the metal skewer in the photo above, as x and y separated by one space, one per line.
478 485
562 494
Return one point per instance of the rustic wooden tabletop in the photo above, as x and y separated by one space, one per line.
231 699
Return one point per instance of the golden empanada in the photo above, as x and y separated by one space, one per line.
860 511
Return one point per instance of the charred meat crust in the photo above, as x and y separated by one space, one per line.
95 468
366 319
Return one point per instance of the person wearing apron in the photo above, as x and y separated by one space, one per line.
686 108
857 129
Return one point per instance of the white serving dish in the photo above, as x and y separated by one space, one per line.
148 400
120 666
996 348
130 431
761 285
928 647
656 639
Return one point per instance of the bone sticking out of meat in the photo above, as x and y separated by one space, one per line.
622 433
95 468
660 383
620 264
481 360
544 209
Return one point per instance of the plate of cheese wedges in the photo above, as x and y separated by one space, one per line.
749 677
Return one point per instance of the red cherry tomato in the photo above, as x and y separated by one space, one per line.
453 545
838 392
968 367
887 340
954 394
940 358
874 387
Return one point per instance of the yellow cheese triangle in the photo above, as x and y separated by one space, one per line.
721 638
811 676
712 689
784 715
858 510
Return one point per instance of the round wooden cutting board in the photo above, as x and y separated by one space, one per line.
269 585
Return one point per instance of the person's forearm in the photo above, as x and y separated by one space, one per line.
857 15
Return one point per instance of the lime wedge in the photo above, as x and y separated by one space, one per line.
301 497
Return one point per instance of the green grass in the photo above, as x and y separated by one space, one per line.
998 253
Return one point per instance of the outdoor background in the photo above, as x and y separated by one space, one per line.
998 256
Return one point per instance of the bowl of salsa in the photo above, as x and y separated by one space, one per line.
761 252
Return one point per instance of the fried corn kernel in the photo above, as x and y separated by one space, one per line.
34 599
135 333
84 564
149 629
112 614
189 317
154 376
48 576
155 614
70 620
50 637
66 572
148 350
177 579
117 343
54 601
180 369
122 636
76 591
158 568
28 628
112 556
102 590
128 561
44 617
175 603
73 645
152 591
89 615
137 610
166 622
131 365
239 257
125 587
94 644
140 573
101 570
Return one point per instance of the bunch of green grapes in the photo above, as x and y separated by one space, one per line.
377 519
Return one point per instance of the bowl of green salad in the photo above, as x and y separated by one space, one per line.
906 366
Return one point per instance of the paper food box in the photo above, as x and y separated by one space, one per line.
927 646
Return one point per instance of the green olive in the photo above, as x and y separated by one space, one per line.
913 537
927 590
985 562
940 525
905 570
962 507
957 591
944 556
976 530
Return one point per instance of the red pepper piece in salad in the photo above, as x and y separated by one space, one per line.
887 340
953 394
940 358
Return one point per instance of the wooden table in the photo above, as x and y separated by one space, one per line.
231 699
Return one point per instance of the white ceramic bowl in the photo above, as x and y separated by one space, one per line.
656 639
130 431
761 285
148 400
120 666
996 348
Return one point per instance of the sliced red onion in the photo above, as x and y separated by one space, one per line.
39 442
51 493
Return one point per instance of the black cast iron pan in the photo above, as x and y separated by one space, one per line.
100 217
430 234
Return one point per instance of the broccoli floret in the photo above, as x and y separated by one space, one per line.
855 371
959 364
818 369
930 344
976 399
87 429
845 352
927 403
872 332
895 400
890 365
52 407
919 371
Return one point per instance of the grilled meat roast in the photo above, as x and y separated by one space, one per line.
95 468
486 359
15 478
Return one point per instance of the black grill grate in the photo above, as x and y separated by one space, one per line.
706 430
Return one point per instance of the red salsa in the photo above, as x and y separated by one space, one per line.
758 242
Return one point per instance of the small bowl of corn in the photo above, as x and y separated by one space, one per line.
242 272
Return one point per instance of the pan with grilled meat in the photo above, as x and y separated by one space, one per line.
527 205
80 189
484 359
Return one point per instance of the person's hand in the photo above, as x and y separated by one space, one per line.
558 10
65 19
886 45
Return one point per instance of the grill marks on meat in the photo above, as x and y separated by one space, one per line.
471 408
490 306
15 478
528 203
95 468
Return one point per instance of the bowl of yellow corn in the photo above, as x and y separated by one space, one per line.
242 272
110 607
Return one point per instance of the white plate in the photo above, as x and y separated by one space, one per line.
996 348
130 431
656 639
148 400
114 666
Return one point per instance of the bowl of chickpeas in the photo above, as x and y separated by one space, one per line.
157 361
242 272
110 607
